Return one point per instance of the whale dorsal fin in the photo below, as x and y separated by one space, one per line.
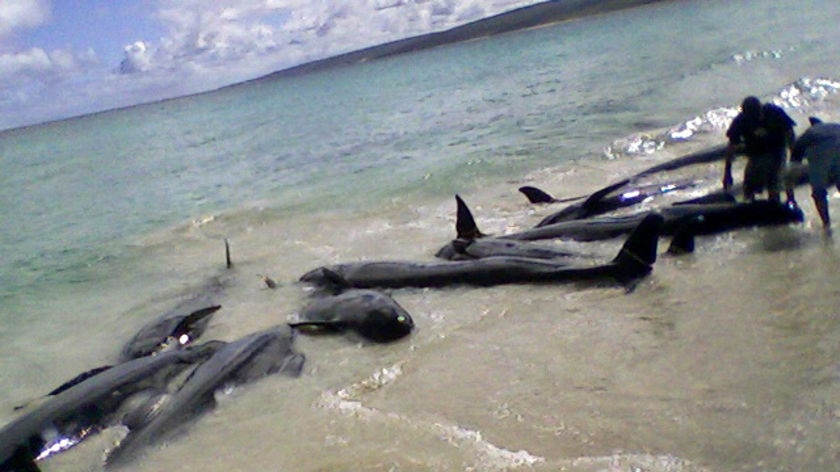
535 195
640 246
228 262
465 224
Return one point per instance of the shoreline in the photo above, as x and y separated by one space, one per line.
532 16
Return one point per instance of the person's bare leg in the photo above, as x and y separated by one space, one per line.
821 202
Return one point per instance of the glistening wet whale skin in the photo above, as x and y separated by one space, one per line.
614 197
247 359
634 260
179 327
372 314
626 193
87 404
600 202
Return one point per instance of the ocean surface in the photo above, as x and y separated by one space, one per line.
724 360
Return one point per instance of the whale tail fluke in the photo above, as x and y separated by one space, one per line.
465 224
638 254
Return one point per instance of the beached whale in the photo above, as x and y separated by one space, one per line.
634 260
252 357
600 202
478 248
467 246
184 323
86 406
177 328
372 314
701 219
621 195
628 192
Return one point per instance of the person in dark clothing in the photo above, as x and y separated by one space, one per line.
820 145
766 133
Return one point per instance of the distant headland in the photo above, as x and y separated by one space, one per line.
541 14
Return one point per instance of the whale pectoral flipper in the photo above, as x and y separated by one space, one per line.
316 326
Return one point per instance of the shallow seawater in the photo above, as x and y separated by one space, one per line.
692 370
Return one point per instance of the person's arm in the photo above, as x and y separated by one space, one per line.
729 155
797 152
733 135
790 139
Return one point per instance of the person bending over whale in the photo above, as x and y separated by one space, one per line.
766 132
820 144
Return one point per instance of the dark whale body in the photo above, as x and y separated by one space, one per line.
478 248
600 202
180 326
249 358
693 218
372 314
633 261
622 194
626 193
184 323
88 404
702 219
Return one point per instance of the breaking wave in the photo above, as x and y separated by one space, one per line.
805 96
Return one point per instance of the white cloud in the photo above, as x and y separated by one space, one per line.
22 14
286 32
26 70
137 58
205 45
35 64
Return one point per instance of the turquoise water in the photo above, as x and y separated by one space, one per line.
105 217
481 110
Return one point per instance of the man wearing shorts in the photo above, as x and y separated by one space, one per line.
820 144
766 132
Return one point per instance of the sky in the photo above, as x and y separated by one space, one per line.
64 58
